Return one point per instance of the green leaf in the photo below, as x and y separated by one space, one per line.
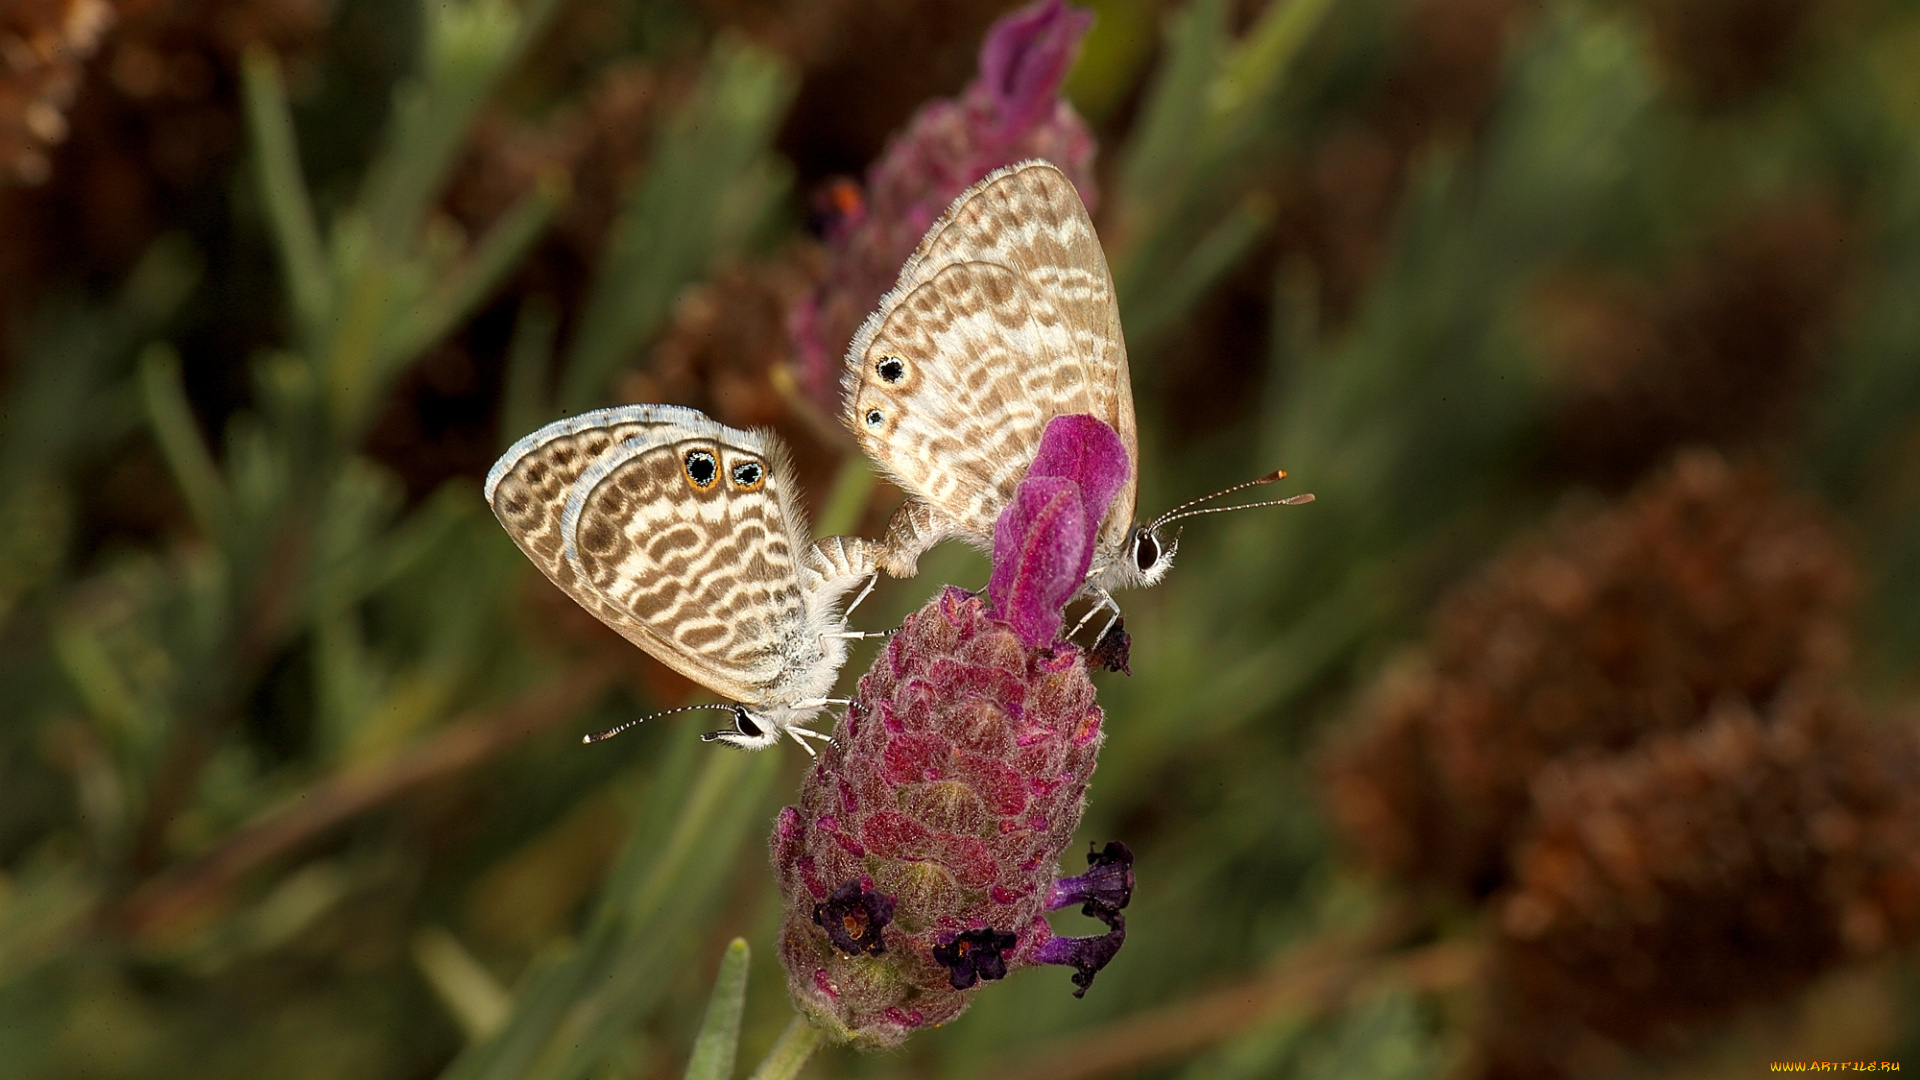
790 1052
180 443
719 1039
526 401
468 46
451 300
573 1015
709 183
289 209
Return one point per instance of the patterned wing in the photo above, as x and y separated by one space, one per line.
529 486
1003 318
689 547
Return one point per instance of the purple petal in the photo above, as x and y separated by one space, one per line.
1086 451
1104 889
1086 955
1025 56
1040 557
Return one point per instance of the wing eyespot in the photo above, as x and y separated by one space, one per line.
700 469
748 475
891 369
875 419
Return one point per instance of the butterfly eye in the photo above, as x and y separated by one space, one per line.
747 475
701 469
874 418
743 723
1146 551
891 368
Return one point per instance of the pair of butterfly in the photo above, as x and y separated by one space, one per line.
683 535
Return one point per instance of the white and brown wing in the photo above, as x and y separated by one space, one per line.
688 546
529 486
1003 318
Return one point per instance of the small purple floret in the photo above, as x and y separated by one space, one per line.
974 955
1086 955
1104 889
853 916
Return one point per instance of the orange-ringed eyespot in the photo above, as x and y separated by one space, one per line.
701 468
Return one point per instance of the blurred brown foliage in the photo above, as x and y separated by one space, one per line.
726 336
1628 738
44 45
1724 50
1717 348
1619 623
134 105
1700 871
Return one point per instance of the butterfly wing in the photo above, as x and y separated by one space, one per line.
688 545
529 486
1003 318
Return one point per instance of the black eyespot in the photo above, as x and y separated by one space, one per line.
701 468
874 418
747 474
891 368
1146 551
744 724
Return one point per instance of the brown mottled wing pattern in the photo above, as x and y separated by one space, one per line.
1003 318
529 486
705 577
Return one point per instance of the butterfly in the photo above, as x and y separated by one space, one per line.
683 535
1003 318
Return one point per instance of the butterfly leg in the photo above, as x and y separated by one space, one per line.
801 735
865 590
859 635
1102 601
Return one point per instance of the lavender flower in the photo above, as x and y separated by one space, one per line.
1011 111
926 843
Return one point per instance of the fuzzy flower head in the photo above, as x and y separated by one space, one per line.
925 847
1011 111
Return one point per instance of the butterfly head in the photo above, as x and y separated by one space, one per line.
750 731
1148 556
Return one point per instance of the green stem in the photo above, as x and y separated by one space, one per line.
790 1051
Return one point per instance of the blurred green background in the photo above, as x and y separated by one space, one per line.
290 773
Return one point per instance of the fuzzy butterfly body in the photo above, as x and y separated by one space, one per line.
683 535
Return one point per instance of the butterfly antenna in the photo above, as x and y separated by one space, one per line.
1184 510
603 736
1291 500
